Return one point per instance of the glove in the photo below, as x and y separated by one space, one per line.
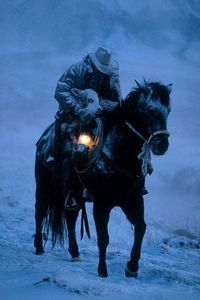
108 105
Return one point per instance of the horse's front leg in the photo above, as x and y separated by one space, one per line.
71 218
135 214
101 218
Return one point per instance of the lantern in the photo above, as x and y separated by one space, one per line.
85 139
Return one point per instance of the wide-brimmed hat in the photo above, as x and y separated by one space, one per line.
102 58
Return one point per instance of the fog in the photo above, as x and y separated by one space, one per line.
158 40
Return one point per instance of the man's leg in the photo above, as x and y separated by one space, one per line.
68 178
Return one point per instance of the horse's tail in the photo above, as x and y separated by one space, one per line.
56 216
49 201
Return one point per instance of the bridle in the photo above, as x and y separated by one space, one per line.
163 131
145 154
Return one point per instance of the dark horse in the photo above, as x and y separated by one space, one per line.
116 178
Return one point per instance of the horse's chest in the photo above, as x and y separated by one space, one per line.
102 168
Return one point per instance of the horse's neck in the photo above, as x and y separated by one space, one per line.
122 146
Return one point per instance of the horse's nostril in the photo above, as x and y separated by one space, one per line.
159 147
99 110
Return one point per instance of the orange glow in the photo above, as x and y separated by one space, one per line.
86 140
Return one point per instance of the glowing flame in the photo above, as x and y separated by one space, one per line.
85 139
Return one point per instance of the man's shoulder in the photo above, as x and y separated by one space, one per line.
81 66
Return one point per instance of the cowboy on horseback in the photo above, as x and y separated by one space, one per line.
97 72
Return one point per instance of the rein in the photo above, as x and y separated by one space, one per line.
145 154
163 131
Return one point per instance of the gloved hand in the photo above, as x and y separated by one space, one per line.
114 77
108 105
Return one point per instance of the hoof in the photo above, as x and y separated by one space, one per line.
39 251
131 269
76 259
130 273
102 271
103 275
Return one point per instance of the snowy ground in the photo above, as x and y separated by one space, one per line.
170 264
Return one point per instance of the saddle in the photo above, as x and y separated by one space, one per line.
86 145
46 145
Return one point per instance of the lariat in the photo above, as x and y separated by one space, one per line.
145 157
145 154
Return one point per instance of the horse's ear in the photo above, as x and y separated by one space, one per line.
139 86
76 92
146 83
169 88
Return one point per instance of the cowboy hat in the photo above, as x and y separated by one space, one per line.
102 59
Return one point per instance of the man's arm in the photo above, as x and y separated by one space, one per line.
74 77
115 85
110 106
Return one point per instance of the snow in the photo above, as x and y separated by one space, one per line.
30 66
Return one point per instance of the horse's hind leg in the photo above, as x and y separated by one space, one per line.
135 214
40 213
101 217
71 218
41 205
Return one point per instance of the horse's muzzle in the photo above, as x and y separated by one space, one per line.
159 144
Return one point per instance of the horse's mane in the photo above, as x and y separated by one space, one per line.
145 95
159 91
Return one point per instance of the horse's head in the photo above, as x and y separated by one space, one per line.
146 109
